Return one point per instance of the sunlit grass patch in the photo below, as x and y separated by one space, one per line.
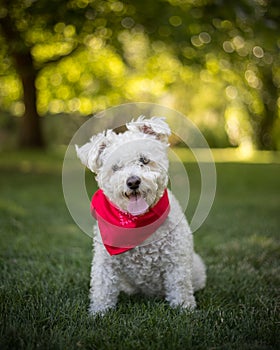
228 155
32 161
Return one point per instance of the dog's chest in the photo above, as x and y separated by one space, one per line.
145 269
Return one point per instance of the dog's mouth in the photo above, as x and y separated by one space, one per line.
137 204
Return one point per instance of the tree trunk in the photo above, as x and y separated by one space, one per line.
30 135
264 133
269 96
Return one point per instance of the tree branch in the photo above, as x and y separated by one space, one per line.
57 59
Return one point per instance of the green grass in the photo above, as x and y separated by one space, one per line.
45 263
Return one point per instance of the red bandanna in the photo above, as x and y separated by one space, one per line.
122 231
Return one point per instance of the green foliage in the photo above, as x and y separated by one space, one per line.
45 265
215 61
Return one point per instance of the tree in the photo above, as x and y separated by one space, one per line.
237 41
25 24
31 133
216 55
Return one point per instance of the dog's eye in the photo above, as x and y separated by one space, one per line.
116 167
144 160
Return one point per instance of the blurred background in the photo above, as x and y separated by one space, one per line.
215 61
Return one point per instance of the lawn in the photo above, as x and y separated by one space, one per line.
45 263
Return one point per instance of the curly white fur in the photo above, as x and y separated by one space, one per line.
166 265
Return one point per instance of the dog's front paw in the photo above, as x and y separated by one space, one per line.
187 304
99 310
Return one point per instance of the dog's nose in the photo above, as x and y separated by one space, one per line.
133 182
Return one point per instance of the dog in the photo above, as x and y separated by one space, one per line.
142 240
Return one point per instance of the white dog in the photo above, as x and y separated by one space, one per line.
142 242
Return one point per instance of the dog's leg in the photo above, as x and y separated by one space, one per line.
104 283
178 277
178 287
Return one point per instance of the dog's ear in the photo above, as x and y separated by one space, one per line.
90 153
155 126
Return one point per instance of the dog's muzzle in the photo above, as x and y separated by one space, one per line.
133 182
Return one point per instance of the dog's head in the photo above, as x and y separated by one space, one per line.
131 167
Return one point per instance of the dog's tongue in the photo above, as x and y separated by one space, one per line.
137 205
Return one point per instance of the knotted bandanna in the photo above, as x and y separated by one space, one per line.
121 231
